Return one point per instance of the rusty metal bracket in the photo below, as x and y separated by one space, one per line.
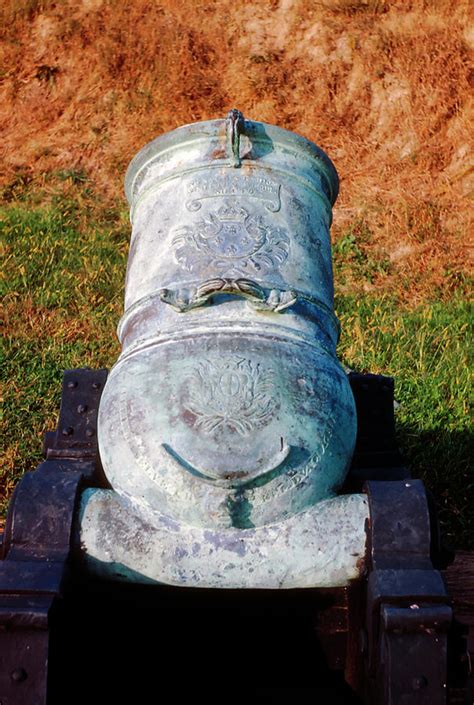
38 539
408 615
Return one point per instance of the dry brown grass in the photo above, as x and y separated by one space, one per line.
383 87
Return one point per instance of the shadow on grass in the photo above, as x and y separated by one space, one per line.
443 460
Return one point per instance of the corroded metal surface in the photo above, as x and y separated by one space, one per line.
228 407
126 545
227 424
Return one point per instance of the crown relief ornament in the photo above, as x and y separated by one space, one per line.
232 239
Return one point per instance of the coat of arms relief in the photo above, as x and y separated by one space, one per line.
232 239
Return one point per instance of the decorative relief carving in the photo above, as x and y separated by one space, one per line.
185 299
318 405
232 239
232 393
253 186
296 479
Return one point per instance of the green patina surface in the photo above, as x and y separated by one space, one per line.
63 289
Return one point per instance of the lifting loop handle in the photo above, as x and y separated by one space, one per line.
235 127
184 300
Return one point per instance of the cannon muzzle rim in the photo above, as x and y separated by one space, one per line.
291 150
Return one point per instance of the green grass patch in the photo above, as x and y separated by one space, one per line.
62 287
62 290
428 352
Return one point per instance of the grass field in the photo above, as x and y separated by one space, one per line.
65 259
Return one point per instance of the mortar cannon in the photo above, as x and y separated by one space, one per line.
227 426
228 412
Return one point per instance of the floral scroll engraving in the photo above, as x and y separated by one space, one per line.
234 394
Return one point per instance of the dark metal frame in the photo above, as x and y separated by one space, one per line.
408 615
38 539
